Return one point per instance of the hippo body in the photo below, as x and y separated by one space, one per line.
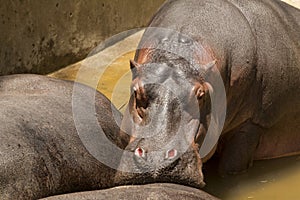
150 191
255 47
41 152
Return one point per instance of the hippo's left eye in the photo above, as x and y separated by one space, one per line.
140 105
141 112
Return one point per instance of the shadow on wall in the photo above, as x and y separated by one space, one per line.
43 36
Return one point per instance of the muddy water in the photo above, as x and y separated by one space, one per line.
276 179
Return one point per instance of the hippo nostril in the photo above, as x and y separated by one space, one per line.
140 152
171 154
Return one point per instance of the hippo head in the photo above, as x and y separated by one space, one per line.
163 119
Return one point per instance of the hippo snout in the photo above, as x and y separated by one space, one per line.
142 166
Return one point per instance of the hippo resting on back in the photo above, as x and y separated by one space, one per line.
255 48
41 153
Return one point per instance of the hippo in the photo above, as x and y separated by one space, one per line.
253 48
41 151
155 191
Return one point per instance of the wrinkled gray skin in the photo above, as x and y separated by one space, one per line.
41 153
138 192
255 47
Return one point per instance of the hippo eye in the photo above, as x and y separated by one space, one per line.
139 152
171 154
141 102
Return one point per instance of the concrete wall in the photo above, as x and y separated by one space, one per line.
40 36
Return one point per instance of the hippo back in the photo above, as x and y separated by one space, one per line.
157 191
41 152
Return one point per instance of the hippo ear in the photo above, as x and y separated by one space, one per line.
209 66
134 65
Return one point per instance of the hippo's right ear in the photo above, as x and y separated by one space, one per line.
134 66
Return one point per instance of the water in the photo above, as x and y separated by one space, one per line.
269 179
